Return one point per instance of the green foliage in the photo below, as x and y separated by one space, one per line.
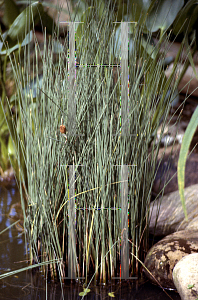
111 295
190 286
18 30
187 18
11 12
12 42
85 292
163 16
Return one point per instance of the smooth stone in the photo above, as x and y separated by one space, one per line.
193 225
171 216
189 82
7 175
185 277
167 162
164 255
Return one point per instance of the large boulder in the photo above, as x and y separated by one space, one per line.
193 225
185 277
164 255
189 82
170 212
167 161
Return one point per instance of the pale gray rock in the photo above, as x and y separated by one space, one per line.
171 216
185 277
165 254
193 225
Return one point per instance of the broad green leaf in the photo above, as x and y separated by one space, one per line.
2 38
11 11
48 23
186 18
142 12
148 44
26 41
183 156
163 14
137 13
139 9
24 22
116 50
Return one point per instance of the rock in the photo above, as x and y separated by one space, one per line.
164 255
189 81
166 169
171 216
185 277
7 175
193 225
63 14
172 48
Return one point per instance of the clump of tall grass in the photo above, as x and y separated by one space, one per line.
96 153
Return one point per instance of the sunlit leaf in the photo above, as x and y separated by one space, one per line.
163 14
11 149
183 156
86 291
26 41
19 29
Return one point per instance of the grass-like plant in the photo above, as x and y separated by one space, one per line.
97 152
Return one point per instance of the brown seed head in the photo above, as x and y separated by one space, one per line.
62 129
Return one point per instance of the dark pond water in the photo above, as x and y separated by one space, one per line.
26 285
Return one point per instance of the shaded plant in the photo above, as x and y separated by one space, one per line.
12 43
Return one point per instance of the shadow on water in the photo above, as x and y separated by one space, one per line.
28 285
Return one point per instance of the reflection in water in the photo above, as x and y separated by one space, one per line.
28 285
